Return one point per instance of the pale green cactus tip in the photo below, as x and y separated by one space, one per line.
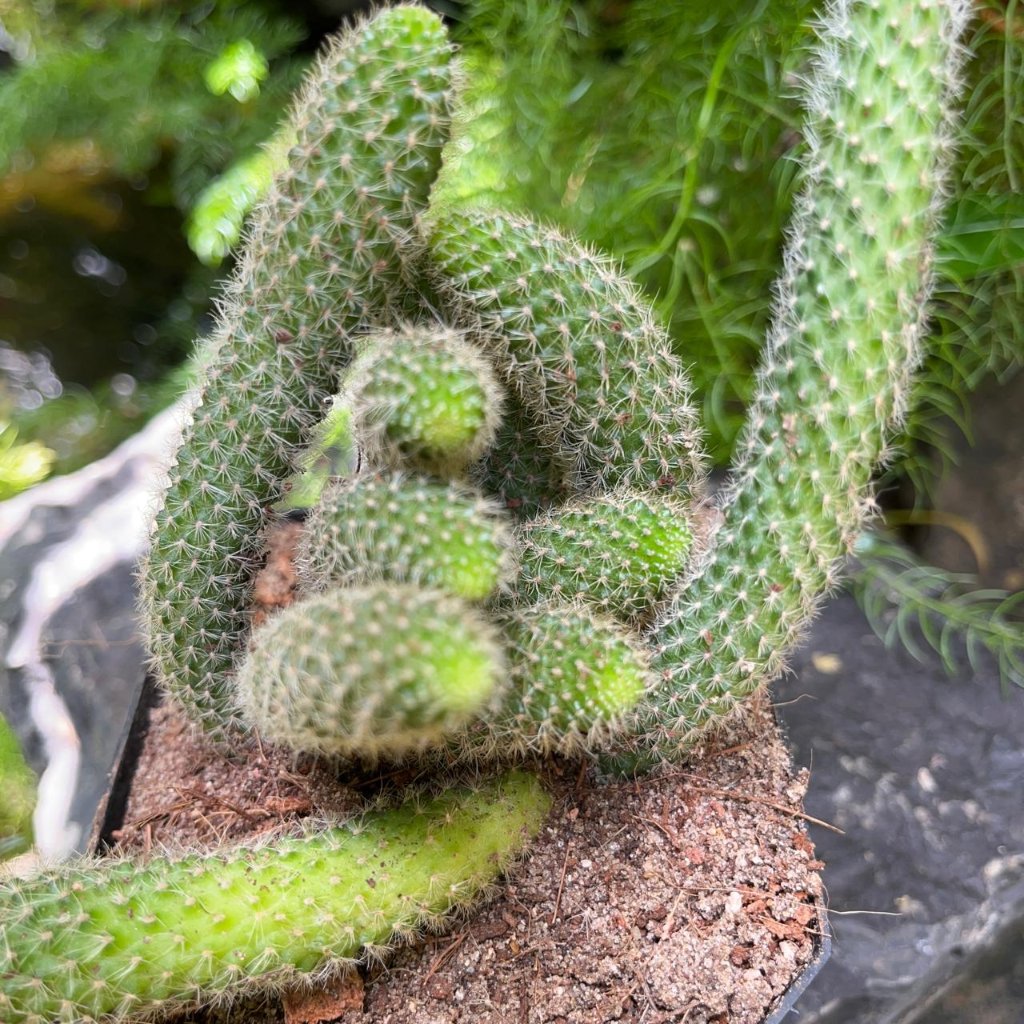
423 398
120 941
620 552
407 528
575 680
385 670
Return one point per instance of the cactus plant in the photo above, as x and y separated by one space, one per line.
597 404
598 401
118 940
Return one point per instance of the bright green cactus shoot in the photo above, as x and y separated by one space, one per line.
619 552
375 671
407 528
423 398
117 940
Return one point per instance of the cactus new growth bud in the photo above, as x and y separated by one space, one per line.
423 398
374 671
619 552
407 529
575 680
119 941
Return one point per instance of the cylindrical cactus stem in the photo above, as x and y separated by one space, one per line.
423 398
407 529
328 251
118 941
575 680
370 672
845 336
619 552
581 349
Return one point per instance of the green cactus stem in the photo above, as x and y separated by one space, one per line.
619 552
845 338
120 940
580 347
407 529
17 795
423 398
329 251
575 681
370 672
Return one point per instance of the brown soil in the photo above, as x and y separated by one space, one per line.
693 896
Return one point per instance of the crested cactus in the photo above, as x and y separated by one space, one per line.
620 552
423 398
118 940
407 529
378 671
329 252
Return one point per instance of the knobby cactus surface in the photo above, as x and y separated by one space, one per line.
508 549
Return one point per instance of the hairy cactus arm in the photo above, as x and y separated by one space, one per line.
845 338
327 253
407 528
582 350
116 940
378 671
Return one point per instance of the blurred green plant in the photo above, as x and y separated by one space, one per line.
922 608
18 785
200 83
21 465
166 96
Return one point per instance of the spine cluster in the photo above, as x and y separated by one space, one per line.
501 553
